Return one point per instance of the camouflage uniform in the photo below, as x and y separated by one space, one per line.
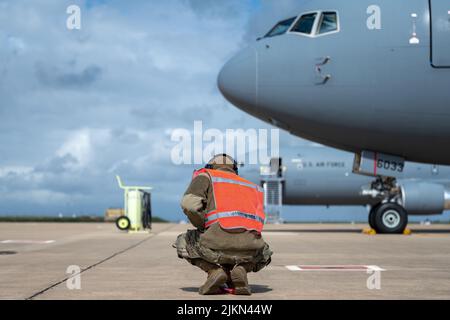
215 246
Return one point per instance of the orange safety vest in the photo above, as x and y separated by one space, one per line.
239 204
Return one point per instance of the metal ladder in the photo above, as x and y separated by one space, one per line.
272 182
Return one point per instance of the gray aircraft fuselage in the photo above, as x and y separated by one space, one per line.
381 82
323 176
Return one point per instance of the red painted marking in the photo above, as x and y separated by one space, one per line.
326 268
27 241
333 267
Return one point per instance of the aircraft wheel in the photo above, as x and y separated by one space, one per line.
390 218
123 223
372 216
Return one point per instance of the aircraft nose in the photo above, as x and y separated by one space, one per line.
238 80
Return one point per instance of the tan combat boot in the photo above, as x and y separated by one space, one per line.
240 281
216 279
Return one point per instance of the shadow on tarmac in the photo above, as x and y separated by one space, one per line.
306 230
256 288
431 231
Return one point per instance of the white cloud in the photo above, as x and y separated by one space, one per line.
79 147
77 107
16 45
14 170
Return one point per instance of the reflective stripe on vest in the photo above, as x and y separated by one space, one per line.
218 215
224 180
239 204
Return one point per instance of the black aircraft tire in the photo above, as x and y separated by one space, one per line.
390 218
123 223
372 216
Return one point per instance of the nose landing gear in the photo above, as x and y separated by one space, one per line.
388 218
389 215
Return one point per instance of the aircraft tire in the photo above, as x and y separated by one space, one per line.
123 223
390 218
372 216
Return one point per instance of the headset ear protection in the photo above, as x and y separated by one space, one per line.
235 164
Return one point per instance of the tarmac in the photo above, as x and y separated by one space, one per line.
310 261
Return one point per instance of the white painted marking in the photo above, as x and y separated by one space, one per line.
275 268
335 268
375 268
27 241
279 233
169 234
293 268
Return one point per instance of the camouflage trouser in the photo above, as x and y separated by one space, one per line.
189 248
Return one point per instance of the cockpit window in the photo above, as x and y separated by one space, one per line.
328 22
305 24
281 28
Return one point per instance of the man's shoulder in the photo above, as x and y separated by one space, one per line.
201 178
198 185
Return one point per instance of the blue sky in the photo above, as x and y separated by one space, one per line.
79 106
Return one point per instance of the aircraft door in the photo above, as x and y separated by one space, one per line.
440 33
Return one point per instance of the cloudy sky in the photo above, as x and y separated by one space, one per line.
79 106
